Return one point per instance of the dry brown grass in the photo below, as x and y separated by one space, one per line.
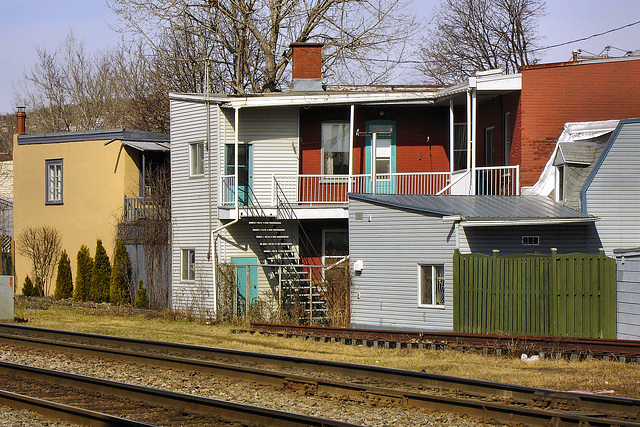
592 376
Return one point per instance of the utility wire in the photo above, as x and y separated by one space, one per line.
587 38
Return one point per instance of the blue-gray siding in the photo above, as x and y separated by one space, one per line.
613 194
628 275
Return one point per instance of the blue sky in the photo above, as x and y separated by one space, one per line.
28 24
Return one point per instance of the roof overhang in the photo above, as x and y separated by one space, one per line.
147 146
469 223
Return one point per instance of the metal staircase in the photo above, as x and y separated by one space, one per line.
299 288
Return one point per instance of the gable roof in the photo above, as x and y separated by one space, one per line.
483 210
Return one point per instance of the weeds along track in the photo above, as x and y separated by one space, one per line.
364 386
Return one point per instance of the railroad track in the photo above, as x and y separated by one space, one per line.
546 347
91 401
394 387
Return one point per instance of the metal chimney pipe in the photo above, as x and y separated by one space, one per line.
21 117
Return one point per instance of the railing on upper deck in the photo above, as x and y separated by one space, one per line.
333 189
498 181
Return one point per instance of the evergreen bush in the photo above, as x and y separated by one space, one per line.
64 281
120 275
27 287
101 275
141 297
83 275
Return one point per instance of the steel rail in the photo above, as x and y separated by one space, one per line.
614 406
225 410
568 344
68 413
486 411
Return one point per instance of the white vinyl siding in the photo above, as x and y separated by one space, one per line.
273 134
190 204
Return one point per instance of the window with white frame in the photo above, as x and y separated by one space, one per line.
196 159
459 146
53 191
188 265
431 285
335 148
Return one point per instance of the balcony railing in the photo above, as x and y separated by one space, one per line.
333 189
498 181
142 207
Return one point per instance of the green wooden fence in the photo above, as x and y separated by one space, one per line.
559 295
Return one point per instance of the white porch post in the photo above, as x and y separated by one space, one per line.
451 140
236 141
474 138
469 140
374 146
352 121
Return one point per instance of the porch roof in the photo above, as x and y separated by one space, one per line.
484 211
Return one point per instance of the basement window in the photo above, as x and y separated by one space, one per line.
530 240
430 285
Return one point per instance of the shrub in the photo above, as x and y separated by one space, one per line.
100 276
120 275
28 290
83 275
141 297
64 281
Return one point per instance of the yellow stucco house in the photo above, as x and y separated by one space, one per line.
79 183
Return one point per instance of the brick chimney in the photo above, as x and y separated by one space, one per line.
307 67
21 117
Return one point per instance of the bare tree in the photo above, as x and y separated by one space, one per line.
246 41
476 35
42 245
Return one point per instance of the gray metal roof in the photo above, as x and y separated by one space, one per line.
483 210
93 135
147 146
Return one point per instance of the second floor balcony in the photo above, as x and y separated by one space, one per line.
332 190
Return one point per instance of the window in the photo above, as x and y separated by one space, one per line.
431 282
507 138
53 170
560 183
530 240
488 146
459 146
188 264
383 148
196 159
335 245
335 148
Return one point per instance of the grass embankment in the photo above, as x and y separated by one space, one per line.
590 376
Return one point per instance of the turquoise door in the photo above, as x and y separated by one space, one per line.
245 172
246 283
385 155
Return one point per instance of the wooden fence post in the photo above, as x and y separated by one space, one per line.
553 285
